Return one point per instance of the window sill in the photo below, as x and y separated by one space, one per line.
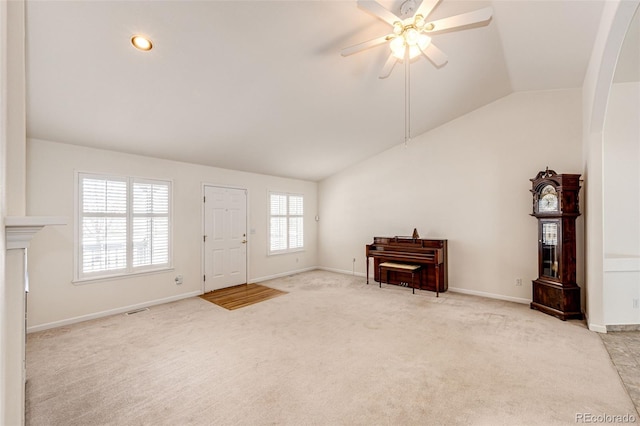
278 253
115 277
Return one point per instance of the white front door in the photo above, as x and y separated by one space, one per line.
225 237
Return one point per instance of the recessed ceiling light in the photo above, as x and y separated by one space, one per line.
141 43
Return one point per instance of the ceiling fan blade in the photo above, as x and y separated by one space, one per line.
435 55
364 45
426 7
379 11
469 18
388 66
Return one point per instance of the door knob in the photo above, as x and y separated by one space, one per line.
244 241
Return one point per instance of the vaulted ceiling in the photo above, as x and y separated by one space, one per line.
261 86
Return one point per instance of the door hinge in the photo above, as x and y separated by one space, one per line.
204 278
204 238
204 199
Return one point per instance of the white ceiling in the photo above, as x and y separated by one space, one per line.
261 86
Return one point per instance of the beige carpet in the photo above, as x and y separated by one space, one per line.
333 352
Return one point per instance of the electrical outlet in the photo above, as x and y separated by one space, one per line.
635 303
519 282
178 279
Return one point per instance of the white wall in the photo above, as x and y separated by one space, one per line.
16 114
621 209
466 181
54 299
622 171
616 17
4 303
12 202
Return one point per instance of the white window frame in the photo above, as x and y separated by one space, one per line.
288 216
129 269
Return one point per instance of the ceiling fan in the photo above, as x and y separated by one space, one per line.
411 34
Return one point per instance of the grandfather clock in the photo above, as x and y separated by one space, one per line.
555 205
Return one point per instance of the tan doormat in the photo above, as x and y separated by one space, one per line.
241 295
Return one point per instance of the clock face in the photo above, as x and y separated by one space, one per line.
548 201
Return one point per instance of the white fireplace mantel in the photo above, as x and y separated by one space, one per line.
19 230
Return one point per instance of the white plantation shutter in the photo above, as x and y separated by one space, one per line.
278 233
278 222
296 230
104 225
150 223
124 225
278 204
286 231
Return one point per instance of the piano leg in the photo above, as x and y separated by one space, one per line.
367 270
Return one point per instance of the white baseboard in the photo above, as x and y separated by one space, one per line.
597 327
257 280
491 295
280 275
342 271
452 289
109 312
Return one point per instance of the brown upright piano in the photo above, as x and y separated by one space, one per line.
430 254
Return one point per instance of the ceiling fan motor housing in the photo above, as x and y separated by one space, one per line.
407 9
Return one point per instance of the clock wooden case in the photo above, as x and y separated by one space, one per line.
556 206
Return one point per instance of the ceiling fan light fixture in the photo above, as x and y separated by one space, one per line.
413 52
411 36
411 39
398 47
141 43
423 41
